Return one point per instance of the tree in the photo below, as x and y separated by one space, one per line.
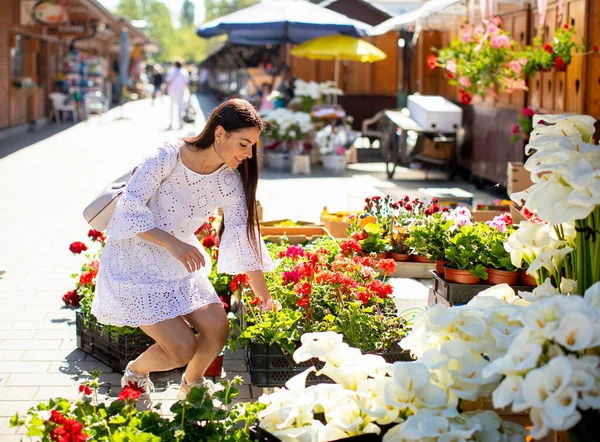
219 8
130 9
188 14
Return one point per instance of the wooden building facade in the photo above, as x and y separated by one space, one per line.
488 122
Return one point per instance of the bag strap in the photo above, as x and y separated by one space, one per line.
172 170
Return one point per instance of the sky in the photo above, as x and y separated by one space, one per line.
173 5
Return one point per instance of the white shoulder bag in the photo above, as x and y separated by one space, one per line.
99 212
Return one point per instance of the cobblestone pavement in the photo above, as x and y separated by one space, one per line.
47 177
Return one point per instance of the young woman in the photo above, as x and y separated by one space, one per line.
153 270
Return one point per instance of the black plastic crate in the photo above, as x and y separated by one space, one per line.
111 348
259 435
271 367
450 293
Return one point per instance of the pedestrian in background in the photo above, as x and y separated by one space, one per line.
177 83
203 80
157 81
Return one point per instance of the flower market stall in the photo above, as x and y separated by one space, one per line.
496 356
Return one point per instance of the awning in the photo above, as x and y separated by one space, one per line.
428 9
282 21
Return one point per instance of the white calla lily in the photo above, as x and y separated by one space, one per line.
507 391
592 295
575 331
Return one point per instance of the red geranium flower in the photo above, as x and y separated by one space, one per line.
566 26
449 74
381 289
432 62
294 252
528 112
256 300
209 241
350 246
387 266
516 129
303 302
133 390
96 235
239 282
465 98
87 277
359 236
364 297
305 270
77 247
85 389
72 298
548 48
595 48
303 288
559 64
291 277
366 261
225 305
57 417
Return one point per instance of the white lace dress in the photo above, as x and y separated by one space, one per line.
141 283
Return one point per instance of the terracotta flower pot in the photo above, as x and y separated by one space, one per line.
459 276
502 277
381 255
215 368
399 257
419 258
525 279
439 267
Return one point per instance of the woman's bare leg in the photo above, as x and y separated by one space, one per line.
175 346
212 326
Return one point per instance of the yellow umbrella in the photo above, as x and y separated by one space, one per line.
339 47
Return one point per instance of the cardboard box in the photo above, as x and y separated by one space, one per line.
437 150
448 197
518 179
295 235
490 213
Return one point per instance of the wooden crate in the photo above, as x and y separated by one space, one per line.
295 235
414 270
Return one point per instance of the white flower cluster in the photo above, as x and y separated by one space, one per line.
457 343
538 246
545 367
565 168
370 393
315 90
289 125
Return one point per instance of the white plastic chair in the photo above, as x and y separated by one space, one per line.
95 103
62 103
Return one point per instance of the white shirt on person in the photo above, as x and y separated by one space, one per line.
177 81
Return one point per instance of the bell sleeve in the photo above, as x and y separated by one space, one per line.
132 214
236 254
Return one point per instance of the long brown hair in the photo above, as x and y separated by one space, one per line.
234 115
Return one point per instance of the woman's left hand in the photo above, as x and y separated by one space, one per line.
271 304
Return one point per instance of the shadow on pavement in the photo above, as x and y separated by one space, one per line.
15 142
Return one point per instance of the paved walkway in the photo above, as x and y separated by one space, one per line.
45 183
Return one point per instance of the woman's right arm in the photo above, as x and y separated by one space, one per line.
133 217
187 254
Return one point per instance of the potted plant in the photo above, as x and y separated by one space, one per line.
431 238
400 249
202 416
500 269
320 286
287 128
333 142
464 256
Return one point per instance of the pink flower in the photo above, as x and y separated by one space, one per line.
515 66
478 31
516 129
497 20
340 150
500 41
493 30
528 112
523 61
467 34
451 66
464 81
